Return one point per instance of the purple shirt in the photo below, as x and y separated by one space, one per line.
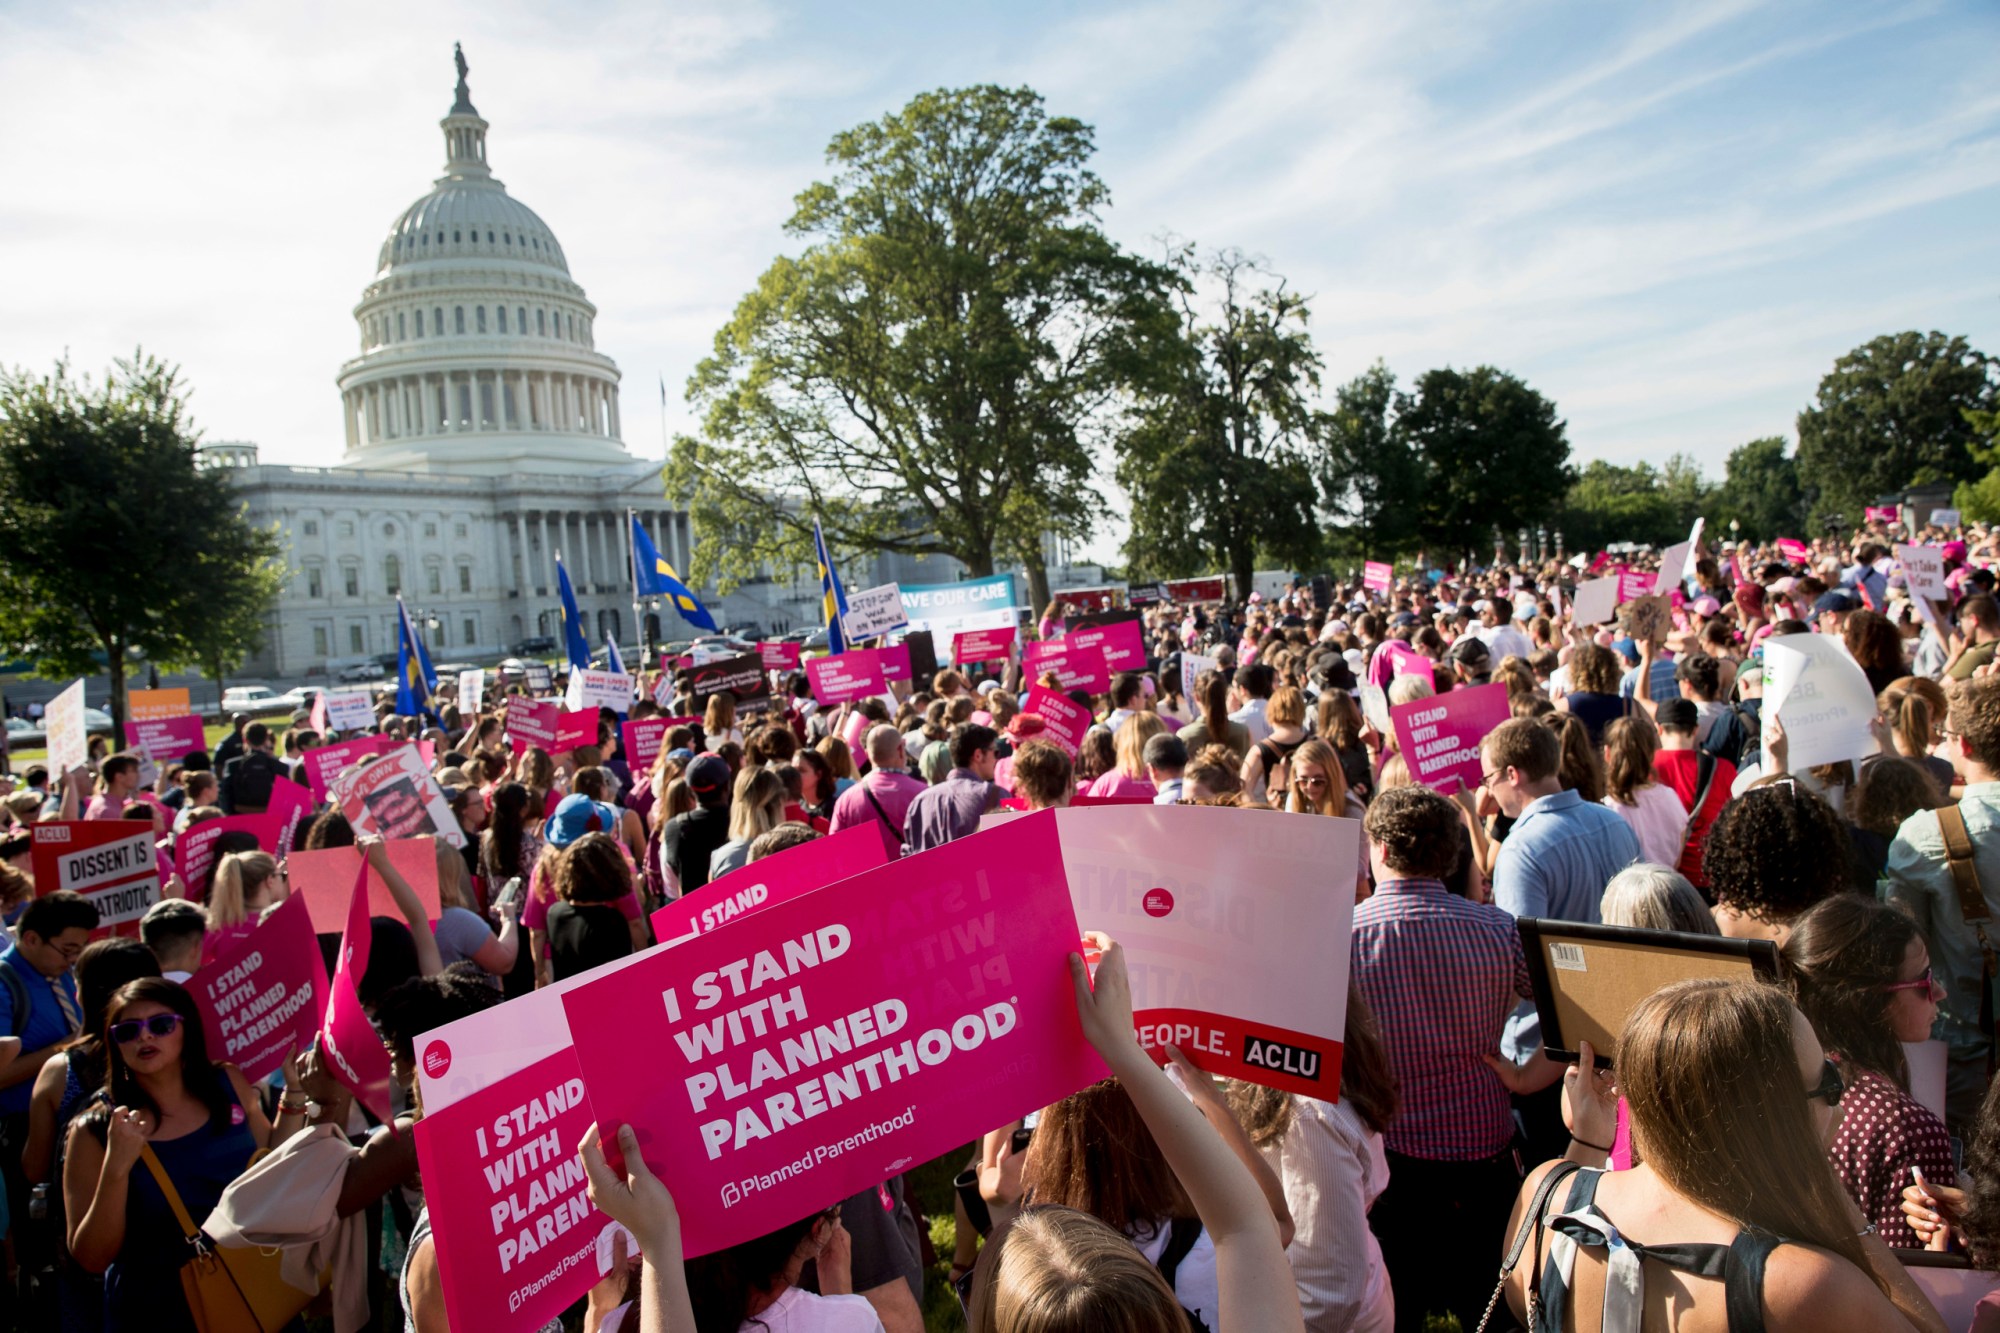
949 810
893 792
1442 973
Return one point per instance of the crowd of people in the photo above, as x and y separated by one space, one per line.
1750 1155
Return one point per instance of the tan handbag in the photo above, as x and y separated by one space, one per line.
229 1288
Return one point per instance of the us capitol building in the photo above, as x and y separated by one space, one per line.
483 438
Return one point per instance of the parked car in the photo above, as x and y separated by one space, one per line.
535 646
361 671
253 699
302 697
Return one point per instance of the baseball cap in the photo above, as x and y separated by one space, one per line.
1402 618
707 773
1833 600
1470 650
1706 606
578 815
1626 647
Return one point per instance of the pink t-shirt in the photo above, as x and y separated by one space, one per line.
1116 783
220 938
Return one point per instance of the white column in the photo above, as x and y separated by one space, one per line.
542 540
617 430
347 413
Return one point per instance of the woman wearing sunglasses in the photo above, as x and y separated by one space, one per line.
202 1124
1733 1218
1861 973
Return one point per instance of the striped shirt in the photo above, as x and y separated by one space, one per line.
1441 974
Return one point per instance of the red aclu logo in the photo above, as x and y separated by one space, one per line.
1157 902
437 1059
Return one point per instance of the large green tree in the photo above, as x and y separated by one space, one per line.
931 373
1216 456
114 541
1760 491
1609 502
1370 475
1494 453
1979 501
1891 414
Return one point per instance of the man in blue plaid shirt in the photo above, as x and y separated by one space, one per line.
1441 974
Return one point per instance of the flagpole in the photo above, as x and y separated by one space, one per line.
638 615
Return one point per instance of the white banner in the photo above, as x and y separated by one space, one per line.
873 612
1923 567
600 689
350 710
471 691
1596 601
1192 665
62 721
1822 696
1944 518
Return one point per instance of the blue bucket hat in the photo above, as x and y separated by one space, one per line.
576 816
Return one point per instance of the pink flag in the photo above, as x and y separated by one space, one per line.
265 995
773 880
1066 719
354 1050
1439 737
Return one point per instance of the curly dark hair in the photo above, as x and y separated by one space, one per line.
1774 852
1981 1219
1417 830
415 1006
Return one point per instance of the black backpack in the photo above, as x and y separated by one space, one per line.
1182 1233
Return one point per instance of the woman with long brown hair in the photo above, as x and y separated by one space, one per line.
1876 647
1861 973
1658 819
1329 1158
1915 708
1732 1102
1581 768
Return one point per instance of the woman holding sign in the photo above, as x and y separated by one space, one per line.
170 1119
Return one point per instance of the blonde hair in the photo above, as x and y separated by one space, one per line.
1287 708
1061 1270
237 879
453 888
1334 802
1130 742
720 717
758 804
1407 687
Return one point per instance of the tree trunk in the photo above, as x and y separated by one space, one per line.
114 660
221 714
1038 580
1243 567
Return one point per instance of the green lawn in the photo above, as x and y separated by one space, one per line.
23 757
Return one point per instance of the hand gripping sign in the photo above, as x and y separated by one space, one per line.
1440 735
354 1051
817 1046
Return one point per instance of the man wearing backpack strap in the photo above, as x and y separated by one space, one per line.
1944 866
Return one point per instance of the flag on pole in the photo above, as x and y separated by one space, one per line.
652 576
614 661
574 644
416 679
833 598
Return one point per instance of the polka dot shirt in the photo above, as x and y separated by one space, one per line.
1883 1133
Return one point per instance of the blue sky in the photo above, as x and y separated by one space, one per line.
1670 218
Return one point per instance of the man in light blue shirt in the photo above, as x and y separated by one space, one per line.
1661 684
1556 860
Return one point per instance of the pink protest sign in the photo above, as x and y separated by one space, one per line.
1440 736
1795 551
574 730
1397 658
1066 720
396 797
642 738
820 1045
983 645
324 879
166 740
1076 667
843 677
1120 641
779 656
1882 513
517 1240
1080 801
773 880
292 804
1636 583
195 851
324 762
895 661
531 722
264 996
1378 576
355 1054
1235 942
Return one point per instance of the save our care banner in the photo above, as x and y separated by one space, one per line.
949 609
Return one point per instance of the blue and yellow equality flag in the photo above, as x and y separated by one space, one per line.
652 576
575 646
416 679
833 598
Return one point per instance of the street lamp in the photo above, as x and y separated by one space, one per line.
1541 544
1734 528
1524 546
1559 543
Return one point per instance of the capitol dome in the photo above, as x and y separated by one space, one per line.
477 347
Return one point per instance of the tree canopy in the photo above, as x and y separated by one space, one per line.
1494 452
930 374
1217 456
1891 414
116 541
